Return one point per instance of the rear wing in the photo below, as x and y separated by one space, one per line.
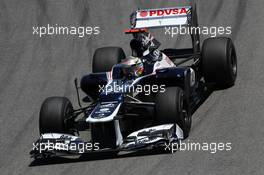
142 20
162 17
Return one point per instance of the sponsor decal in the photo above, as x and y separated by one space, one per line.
110 105
143 13
163 12
104 110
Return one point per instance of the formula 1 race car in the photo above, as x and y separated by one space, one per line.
143 101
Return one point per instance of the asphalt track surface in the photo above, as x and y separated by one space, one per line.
33 68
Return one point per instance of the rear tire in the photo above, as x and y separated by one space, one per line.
53 114
106 57
219 62
170 109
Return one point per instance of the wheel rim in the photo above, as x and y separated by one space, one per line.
233 63
66 121
186 119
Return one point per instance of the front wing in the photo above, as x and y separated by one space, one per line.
55 144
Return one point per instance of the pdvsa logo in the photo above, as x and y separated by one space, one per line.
143 13
163 12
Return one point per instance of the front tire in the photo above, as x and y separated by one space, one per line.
170 108
53 115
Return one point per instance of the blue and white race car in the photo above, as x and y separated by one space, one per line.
140 101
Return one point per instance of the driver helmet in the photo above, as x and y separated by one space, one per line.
133 66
